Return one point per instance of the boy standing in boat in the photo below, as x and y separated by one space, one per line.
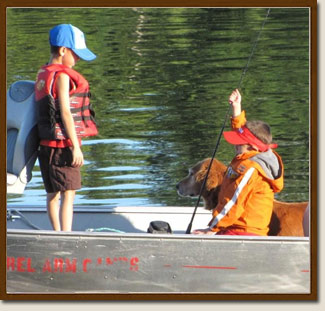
245 201
65 116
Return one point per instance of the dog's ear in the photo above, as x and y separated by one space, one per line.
215 175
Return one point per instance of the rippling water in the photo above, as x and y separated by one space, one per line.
160 86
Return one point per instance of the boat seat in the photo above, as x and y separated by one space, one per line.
22 137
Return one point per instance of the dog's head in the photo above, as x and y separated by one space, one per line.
192 183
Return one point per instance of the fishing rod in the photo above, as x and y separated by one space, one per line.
189 228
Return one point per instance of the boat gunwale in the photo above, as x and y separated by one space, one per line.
118 209
132 235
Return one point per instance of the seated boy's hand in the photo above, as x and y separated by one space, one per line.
206 231
235 102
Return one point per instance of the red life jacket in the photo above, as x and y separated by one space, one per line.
50 125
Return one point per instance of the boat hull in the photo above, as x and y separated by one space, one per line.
44 261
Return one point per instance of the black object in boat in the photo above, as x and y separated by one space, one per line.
159 226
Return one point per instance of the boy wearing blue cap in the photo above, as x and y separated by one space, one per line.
65 116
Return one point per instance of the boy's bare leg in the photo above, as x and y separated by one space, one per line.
66 211
53 208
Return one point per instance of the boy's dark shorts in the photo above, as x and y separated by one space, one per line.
57 172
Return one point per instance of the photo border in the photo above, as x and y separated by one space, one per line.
312 4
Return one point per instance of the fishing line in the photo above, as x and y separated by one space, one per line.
189 228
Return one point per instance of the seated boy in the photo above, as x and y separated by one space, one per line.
245 201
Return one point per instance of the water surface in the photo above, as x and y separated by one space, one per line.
160 86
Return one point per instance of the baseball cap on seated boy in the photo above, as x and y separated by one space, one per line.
73 38
244 136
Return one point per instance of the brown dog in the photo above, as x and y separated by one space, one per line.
287 218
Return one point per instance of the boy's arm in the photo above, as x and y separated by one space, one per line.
62 87
235 102
233 208
238 116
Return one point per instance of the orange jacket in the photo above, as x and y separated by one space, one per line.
247 192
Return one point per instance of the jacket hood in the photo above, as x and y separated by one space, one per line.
272 166
269 163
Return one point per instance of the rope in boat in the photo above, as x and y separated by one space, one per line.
22 217
189 228
28 222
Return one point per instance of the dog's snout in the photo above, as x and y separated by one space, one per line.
177 186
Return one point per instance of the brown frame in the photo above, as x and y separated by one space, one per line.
312 4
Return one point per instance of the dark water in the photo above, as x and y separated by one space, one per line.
160 86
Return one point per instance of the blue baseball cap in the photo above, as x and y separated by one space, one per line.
73 38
